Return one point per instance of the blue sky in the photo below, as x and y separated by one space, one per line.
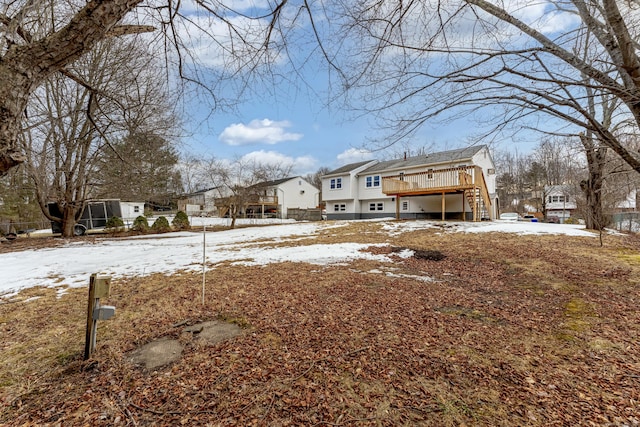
283 124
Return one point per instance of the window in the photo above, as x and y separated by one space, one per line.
136 209
339 207
373 181
336 183
405 206
380 206
376 206
430 174
558 199
372 206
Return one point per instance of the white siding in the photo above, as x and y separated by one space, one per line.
131 210
297 193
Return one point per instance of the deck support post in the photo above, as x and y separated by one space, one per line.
397 206
443 205
475 204
464 212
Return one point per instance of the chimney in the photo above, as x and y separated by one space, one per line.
405 155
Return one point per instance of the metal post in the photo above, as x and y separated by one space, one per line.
204 258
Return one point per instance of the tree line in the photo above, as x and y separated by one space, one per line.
524 181
77 79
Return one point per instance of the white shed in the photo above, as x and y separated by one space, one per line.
131 210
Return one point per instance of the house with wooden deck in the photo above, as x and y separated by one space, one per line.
455 184
270 199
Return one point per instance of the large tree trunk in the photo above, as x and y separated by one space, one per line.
24 66
15 86
595 218
69 215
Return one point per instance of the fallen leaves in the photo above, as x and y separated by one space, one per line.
492 339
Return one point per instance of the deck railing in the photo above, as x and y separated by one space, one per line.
438 181
459 178
247 200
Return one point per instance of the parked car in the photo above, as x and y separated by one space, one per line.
510 216
530 218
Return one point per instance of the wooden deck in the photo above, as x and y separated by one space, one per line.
224 204
468 181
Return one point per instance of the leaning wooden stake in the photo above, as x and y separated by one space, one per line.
90 340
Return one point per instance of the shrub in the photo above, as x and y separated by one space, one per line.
114 224
140 224
161 225
181 221
571 220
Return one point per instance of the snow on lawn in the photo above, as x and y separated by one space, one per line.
524 227
73 263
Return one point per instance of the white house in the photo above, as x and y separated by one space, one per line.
454 184
200 202
560 202
273 198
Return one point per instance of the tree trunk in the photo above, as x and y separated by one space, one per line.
69 215
595 218
24 66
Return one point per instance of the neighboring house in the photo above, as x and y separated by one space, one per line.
200 202
630 203
272 198
454 184
560 202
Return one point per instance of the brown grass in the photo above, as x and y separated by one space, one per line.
511 330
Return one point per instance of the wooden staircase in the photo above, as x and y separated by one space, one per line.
477 204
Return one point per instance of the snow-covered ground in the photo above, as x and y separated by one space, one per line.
73 263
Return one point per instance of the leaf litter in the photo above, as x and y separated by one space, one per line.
512 330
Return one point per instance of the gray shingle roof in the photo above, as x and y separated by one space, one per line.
429 159
347 168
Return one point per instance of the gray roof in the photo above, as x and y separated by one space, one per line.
430 159
347 168
276 182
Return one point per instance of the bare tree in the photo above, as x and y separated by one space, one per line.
240 182
72 121
39 38
508 63
420 61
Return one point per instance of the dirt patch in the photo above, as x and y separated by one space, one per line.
214 332
165 351
157 353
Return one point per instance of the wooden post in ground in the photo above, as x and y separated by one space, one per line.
90 339
397 206
443 206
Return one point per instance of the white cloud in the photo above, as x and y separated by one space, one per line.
545 17
300 165
235 5
263 131
353 155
